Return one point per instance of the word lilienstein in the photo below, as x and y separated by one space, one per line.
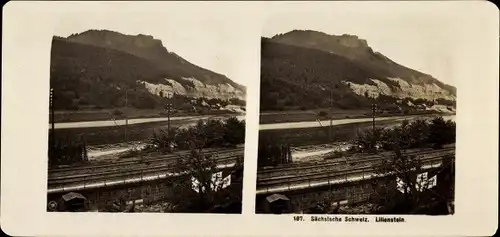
392 219
351 219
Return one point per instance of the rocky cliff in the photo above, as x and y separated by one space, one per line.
93 67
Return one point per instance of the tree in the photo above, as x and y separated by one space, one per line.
234 131
369 139
418 133
203 185
214 134
405 169
441 132
408 191
163 140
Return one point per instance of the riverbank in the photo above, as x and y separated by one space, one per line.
314 133
94 134
270 117
130 113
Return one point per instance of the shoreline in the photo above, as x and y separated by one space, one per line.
312 115
107 114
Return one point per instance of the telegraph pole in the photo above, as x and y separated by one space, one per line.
52 137
52 109
168 108
374 108
331 113
168 112
126 117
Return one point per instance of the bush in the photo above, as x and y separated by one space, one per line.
441 132
418 134
163 140
208 134
234 131
367 140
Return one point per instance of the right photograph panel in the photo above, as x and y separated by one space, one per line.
355 122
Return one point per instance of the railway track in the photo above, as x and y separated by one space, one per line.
341 164
121 174
126 165
318 176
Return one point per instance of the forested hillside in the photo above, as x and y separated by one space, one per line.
105 69
294 77
309 70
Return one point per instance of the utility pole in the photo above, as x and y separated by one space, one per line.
374 108
168 112
331 113
126 117
52 108
52 137
168 108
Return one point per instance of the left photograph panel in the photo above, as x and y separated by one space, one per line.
135 126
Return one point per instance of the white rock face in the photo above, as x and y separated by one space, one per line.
405 90
373 91
157 88
177 87
220 91
427 91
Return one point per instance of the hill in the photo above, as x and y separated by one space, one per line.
93 69
301 69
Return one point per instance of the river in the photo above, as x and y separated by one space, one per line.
312 124
186 121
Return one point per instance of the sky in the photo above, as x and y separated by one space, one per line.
221 39
416 39
204 39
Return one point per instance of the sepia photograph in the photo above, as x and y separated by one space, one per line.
348 128
135 127
249 118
